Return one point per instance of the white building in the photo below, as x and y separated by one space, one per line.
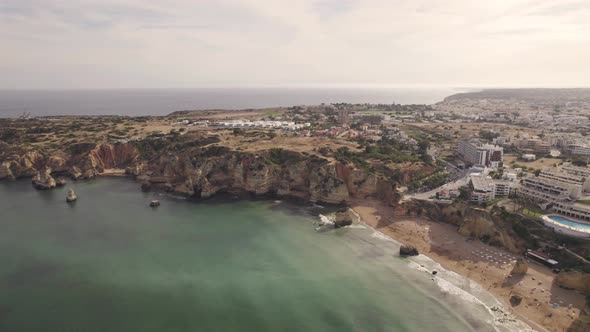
558 189
579 149
483 188
473 151
529 157
542 189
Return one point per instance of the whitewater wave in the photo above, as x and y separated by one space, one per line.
468 290
464 289
326 220
381 236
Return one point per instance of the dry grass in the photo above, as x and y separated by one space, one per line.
537 164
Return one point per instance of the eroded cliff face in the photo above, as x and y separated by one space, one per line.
202 174
312 179
471 221
84 164
574 280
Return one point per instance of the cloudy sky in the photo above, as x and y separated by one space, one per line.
250 43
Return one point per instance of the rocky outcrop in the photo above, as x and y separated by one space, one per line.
60 182
520 267
117 156
71 196
204 172
408 250
6 172
515 299
574 280
343 218
471 221
17 166
85 161
43 180
313 179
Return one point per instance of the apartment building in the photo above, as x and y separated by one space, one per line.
569 173
483 189
474 151
558 189
543 189
579 149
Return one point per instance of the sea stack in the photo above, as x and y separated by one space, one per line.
71 197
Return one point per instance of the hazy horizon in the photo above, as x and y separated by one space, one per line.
181 44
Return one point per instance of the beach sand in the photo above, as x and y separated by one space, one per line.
488 266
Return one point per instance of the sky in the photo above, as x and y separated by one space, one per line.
293 43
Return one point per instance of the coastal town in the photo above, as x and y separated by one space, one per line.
494 185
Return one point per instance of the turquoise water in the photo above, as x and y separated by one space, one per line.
111 263
569 222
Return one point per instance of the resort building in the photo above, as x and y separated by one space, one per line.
579 149
569 174
484 189
578 170
558 190
542 189
475 152
575 210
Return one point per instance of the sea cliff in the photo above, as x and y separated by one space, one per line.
205 171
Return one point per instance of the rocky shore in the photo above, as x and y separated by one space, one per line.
202 173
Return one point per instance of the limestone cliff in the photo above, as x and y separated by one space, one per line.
310 178
203 172
80 161
574 280
471 221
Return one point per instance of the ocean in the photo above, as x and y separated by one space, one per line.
109 262
136 102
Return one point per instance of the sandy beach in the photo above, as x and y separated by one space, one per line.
545 306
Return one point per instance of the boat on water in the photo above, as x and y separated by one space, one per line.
155 203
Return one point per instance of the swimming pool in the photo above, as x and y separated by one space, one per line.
570 223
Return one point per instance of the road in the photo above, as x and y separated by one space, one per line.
458 178
463 181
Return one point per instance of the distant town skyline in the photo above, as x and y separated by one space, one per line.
312 43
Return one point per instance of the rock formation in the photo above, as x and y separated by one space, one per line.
71 196
472 221
204 172
515 299
43 180
60 182
343 218
408 250
520 267
574 280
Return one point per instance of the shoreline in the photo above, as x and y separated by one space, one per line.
481 264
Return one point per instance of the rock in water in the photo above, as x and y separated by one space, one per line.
343 218
43 180
408 251
60 182
71 197
154 203
520 267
